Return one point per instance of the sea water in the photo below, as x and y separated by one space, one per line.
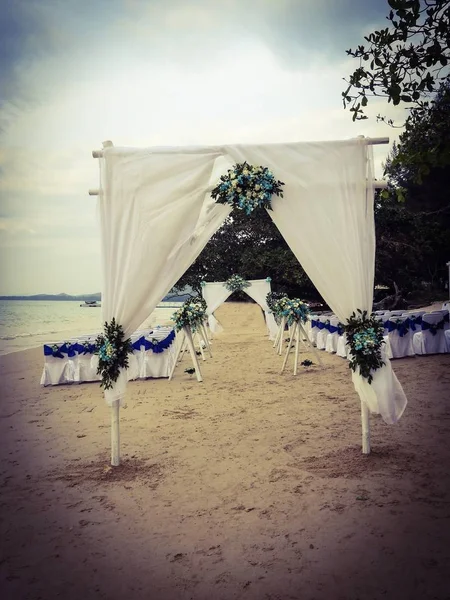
31 323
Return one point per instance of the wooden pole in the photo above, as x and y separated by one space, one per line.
277 337
205 338
115 434
172 370
193 354
365 423
199 342
291 340
281 340
183 347
297 342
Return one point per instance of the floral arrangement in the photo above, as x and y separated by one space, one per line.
197 300
365 338
272 298
191 314
236 283
247 187
296 310
112 352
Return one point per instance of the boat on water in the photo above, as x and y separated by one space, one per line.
92 304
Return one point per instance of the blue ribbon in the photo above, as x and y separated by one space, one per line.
402 326
58 353
159 346
314 323
433 327
85 349
413 321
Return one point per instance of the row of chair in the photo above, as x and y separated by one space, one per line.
76 361
406 333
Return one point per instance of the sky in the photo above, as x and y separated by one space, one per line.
74 73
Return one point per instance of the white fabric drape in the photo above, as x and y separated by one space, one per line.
157 215
214 294
329 186
258 290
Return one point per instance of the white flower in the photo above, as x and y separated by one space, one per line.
257 187
234 183
232 176
246 172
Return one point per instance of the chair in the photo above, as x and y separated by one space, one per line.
158 353
314 329
445 315
333 335
55 364
400 336
87 360
135 359
432 339
321 339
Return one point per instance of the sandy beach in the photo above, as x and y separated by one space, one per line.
250 485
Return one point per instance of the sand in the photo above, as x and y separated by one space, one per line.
248 486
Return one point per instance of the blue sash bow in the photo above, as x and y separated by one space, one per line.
57 352
433 327
158 347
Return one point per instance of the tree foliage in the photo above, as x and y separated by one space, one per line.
405 62
413 236
250 246
424 149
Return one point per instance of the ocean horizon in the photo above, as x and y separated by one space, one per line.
26 324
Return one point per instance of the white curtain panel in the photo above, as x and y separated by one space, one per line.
258 290
214 293
329 186
156 216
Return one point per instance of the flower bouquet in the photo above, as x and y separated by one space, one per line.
247 187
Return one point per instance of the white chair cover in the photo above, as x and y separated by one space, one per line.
332 337
321 338
55 369
400 339
425 342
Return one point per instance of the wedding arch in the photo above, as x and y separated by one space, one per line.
157 214
215 294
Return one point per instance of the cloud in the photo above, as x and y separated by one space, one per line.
155 73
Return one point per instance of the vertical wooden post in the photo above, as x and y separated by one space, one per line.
281 340
205 338
296 330
198 338
277 337
115 434
193 354
178 352
291 340
365 423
